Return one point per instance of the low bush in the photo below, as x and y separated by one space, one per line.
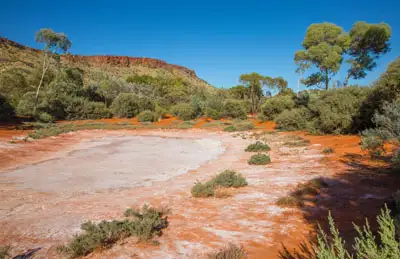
230 252
183 111
146 116
295 141
230 128
125 105
51 130
234 109
239 126
213 114
203 190
258 147
225 179
259 159
289 201
229 178
45 117
143 224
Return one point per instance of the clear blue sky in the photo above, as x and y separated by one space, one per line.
218 39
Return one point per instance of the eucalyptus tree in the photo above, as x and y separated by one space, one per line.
54 43
324 46
368 42
254 82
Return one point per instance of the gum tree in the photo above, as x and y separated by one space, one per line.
254 82
54 43
324 45
368 43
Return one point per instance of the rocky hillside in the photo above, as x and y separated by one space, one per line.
15 55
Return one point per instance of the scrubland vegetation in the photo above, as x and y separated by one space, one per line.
230 252
226 179
144 224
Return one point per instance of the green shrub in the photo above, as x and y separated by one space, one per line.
290 201
226 179
6 110
230 252
125 105
203 190
295 119
183 111
45 117
275 105
26 104
146 116
144 224
51 130
230 128
146 104
160 113
229 178
213 114
95 110
258 147
259 159
243 125
234 109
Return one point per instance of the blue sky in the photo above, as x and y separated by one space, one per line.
218 39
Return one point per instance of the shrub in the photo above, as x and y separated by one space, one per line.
295 141
160 113
257 147
275 105
234 109
145 104
229 178
26 104
45 117
230 252
230 128
239 126
51 130
125 105
328 150
289 201
259 159
146 116
203 190
95 110
213 114
226 179
144 224
6 110
295 119
183 111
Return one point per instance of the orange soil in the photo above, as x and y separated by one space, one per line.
343 146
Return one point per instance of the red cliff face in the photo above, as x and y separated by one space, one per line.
124 61
118 61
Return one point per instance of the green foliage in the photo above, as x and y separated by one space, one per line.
230 252
203 190
368 42
253 81
324 45
275 105
125 105
146 116
51 130
239 92
26 104
295 119
227 178
387 130
258 147
259 159
6 110
143 224
53 41
13 85
45 117
183 111
239 126
234 109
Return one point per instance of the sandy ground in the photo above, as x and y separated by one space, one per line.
63 181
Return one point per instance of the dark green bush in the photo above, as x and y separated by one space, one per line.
144 224
258 147
275 105
26 104
146 116
295 119
259 159
183 111
125 105
213 114
95 110
6 110
45 117
234 109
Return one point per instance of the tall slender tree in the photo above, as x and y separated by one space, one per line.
54 43
254 82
